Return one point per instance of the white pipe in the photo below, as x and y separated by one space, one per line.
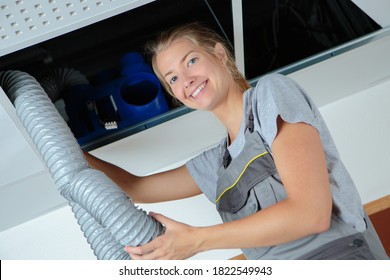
238 31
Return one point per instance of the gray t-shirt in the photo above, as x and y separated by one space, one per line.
276 95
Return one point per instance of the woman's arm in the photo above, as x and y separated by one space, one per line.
165 186
300 160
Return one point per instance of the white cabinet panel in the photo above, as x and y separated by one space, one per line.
26 187
18 159
26 23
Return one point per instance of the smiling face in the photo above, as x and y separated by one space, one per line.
197 78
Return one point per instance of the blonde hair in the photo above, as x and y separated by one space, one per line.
201 36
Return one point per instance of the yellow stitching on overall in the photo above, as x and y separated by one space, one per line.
239 177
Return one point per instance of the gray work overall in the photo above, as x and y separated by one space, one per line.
250 182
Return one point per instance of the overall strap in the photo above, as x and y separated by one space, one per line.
250 126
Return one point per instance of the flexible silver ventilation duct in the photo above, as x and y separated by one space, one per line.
106 215
58 80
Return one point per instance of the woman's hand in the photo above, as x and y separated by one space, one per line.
178 242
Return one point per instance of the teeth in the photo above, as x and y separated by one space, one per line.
199 89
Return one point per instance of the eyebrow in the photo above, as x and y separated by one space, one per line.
181 61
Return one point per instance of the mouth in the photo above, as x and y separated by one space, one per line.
198 90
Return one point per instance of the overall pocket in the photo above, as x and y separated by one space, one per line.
352 247
234 192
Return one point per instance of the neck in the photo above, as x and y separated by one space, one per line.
230 114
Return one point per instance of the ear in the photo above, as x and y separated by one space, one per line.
220 53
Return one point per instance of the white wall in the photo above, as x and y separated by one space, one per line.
359 122
360 127
378 10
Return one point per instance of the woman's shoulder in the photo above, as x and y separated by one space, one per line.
274 80
265 88
277 88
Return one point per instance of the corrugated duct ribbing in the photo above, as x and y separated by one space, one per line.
105 213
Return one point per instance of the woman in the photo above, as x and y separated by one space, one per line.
277 179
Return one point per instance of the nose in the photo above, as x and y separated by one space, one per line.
188 82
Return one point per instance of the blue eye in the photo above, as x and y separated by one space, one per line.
192 61
173 80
